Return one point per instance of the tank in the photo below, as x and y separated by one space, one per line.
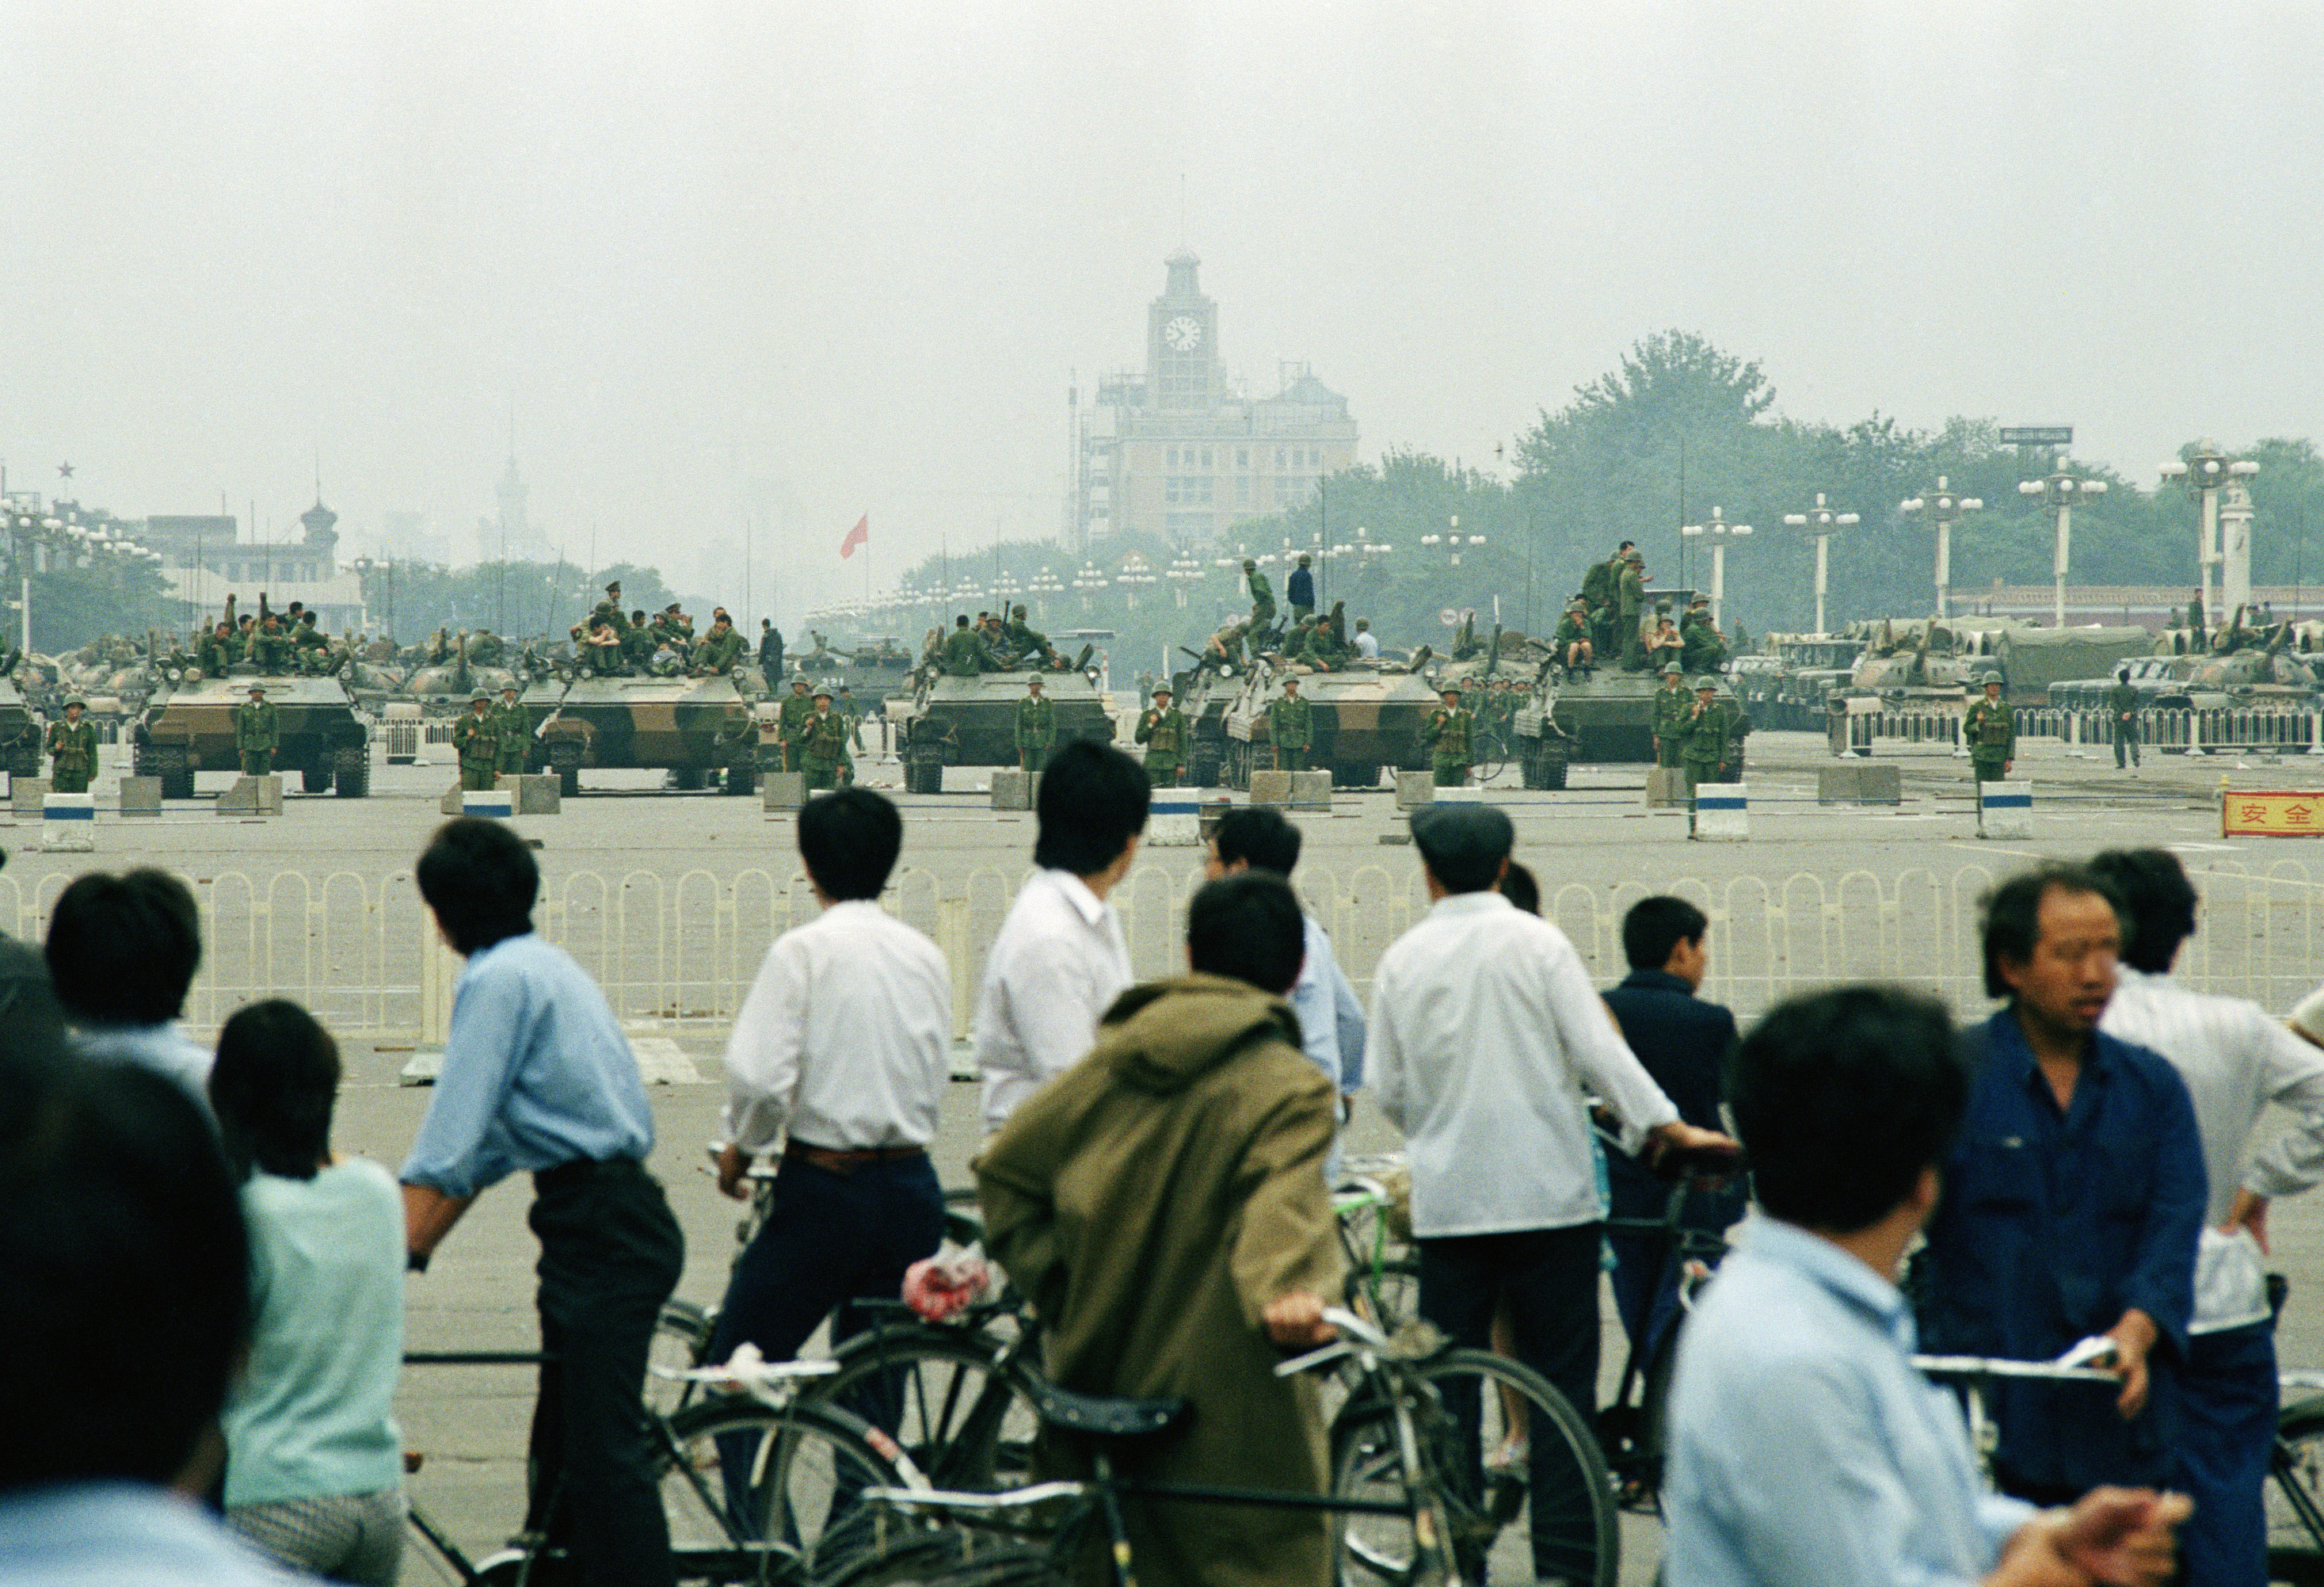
972 721
19 732
1366 716
1603 718
1205 692
875 668
1785 684
187 727
691 727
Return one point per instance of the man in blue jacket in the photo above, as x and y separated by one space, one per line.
2074 1195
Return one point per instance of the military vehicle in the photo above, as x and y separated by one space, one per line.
443 686
2159 680
20 731
972 721
874 668
187 727
2033 658
1785 684
689 726
1364 714
1605 717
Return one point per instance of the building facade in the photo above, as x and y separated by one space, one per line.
1173 453
202 561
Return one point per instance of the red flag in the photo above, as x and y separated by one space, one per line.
860 535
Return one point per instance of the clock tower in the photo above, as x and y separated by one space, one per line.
1183 371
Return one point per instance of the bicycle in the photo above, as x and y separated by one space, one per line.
1374 1224
802 1465
1404 1474
2295 1493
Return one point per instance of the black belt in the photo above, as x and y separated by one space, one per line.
844 1161
581 1170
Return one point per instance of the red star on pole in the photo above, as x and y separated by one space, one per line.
64 471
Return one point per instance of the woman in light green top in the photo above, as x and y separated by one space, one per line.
314 1459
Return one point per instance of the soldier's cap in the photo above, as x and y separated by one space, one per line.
614 588
1991 678
1662 606
508 688
258 689
1704 683
799 683
823 694
1161 689
1034 682
1249 566
1635 555
1291 683
1673 670
476 694
1700 601
75 700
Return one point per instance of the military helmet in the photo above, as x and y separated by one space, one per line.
823 694
1162 689
476 694
1305 560
1706 681
1033 681
75 700
1248 566
257 688
1018 610
1673 670
1988 677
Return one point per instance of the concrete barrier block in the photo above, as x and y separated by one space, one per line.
1173 820
1414 787
449 805
782 791
534 793
1461 796
140 795
26 794
69 823
1665 787
1722 812
1271 788
494 804
2004 810
1012 789
254 795
1311 790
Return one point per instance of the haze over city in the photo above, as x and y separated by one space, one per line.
788 265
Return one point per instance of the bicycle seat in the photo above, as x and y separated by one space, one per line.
1102 1418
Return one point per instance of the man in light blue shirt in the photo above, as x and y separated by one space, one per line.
1805 1451
539 1078
122 954
1252 837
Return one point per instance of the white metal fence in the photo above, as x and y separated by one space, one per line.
358 949
2211 730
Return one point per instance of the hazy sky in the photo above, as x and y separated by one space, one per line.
808 261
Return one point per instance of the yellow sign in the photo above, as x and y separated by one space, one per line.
2246 812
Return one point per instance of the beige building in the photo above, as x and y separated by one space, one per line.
1172 452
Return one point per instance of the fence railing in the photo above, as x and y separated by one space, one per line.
682 949
2229 729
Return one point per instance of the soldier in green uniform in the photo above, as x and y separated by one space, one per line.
1573 638
1449 733
255 732
214 654
1709 736
1262 598
825 744
305 636
72 749
1162 731
1037 727
720 649
963 653
790 724
514 730
1630 600
476 739
610 609
269 647
1290 727
1703 650
1989 729
1022 640
2122 715
1226 645
1673 712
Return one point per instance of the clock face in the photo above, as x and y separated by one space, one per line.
1183 333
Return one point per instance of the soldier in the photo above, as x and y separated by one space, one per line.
1573 638
1601 590
72 749
1262 599
1300 590
1664 644
1989 729
2122 715
602 649
825 746
1037 727
477 740
1630 599
852 713
770 652
1673 714
1449 733
791 724
610 609
1226 645
963 653
305 636
515 732
1709 736
637 642
214 654
720 649
1020 640
1162 731
255 732
2195 625
1704 651
1290 728
270 647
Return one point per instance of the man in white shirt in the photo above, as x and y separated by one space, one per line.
840 1053
1060 959
1367 642
2236 1060
1484 1030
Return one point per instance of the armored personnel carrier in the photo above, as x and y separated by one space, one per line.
1365 715
689 726
972 721
1601 718
2033 658
19 730
1785 684
187 727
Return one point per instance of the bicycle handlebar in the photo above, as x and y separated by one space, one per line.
1979 1366
1355 1334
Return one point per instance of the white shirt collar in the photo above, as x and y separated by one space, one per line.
1087 903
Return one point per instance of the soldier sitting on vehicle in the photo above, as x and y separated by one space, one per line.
1663 642
485 648
964 655
1704 649
1571 641
720 649
214 654
305 635
602 651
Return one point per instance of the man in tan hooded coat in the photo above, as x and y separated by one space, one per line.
1163 1204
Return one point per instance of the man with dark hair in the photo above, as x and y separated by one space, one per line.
770 652
122 953
1254 837
538 1078
2122 718
1483 1026
118 1200
1683 1042
838 1058
1804 1448
1196 1085
1060 959
2072 1199
2236 1060
1299 589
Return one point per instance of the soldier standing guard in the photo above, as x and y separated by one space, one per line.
477 737
1674 712
1290 728
1262 599
825 743
1162 731
1709 736
72 749
1449 732
1037 728
1989 729
255 732
1630 599
790 724
515 731
1300 590
2121 709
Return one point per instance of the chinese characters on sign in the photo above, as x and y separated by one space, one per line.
2252 813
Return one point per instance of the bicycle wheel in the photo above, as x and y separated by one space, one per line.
966 1423
1526 1494
758 1493
681 1339
955 1557
2295 1496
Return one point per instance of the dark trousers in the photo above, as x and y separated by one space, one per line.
2125 737
1646 1267
2227 1400
1550 1278
610 1255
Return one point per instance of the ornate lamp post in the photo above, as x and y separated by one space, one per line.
1453 541
1942 508
2206 473
1182 573
1720 531
1822 521
2059 492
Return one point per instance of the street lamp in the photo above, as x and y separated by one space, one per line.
1184 572
2207 472
1452 539
1720 532
2059 492
1822 519
1133 576
1089 581
1942 508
